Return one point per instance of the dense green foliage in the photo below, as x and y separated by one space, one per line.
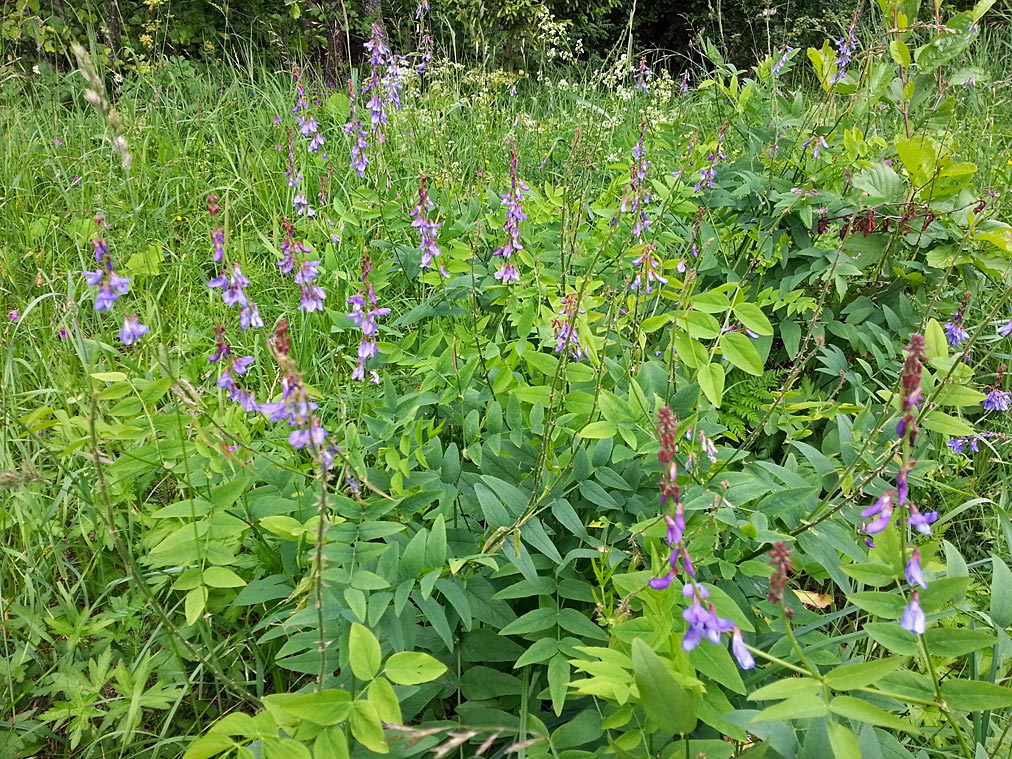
467 571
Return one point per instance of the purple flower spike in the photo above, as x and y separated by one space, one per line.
132 330
913 619
428 230
996 400
913 570
218 238
741 654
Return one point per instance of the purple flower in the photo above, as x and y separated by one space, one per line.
956 444
366 322
649 270
132 330
779 65
703 623
955 332
13 315
913 570
741 654
913 619
1006 329
232 286
996 400
249 316
110 286
882 509
218 238
845 48
921 521
643 75
311 298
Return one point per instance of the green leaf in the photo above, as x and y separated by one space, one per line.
413 668
919 156
799 707
363 652
936 421
533 621
954 641
951 394
285 748
381 695
861 711
861 674
367 728
222 577
331 743
209 745
323 707
753 318
711 302
886 605
900 53
690 350
789 687
843 741
711 381
892 637
599 430
739 350
935 342
975 695
881 183
193 606
664 700
1001 593
558 681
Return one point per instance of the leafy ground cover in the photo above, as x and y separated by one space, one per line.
502 413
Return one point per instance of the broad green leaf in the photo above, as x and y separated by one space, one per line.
799 707
193 606
935 343
367 728
323 707
209 745
413 668
861 674
285 748
331 743
363 652
843 741
699 324
886 605
892 637
900 53
598 430
690 350
789 687
952 426
531 622
222 577
381 695
975 695
654 323
664 700
1001 238
711 381
920 157
955 641
712 302
861 711
881 183
558 681
739 350
951 394
1001 593
753 318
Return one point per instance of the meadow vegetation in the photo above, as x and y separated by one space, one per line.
555 413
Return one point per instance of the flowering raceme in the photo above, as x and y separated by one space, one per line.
428 230
514 216
700 615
